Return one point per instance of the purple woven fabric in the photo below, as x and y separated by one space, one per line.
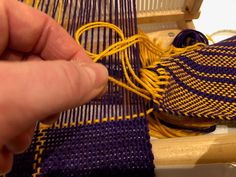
110 149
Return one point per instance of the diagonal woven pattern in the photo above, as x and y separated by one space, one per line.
203 82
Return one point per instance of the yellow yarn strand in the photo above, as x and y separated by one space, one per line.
210 39
36 5
60 11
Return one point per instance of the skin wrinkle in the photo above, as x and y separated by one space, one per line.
42 37
46 34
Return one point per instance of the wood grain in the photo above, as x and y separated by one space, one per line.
195 150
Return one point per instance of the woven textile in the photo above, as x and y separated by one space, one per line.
203 82
109 149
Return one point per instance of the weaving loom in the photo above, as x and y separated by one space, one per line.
109 136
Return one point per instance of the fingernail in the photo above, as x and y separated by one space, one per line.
98 75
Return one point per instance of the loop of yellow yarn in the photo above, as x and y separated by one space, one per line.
148 85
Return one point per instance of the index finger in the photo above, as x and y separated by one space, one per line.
28 30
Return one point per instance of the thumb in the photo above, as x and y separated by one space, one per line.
34 90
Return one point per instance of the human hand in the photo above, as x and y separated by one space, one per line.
54 74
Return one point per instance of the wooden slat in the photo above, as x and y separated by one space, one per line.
195 150
193 6
172 16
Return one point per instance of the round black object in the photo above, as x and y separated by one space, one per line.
189 37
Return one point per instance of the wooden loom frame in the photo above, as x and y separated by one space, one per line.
202 149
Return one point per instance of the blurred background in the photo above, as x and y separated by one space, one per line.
217 15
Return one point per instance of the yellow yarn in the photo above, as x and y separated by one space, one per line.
36 5
210 38
159 130
225 32
59 12
150 56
